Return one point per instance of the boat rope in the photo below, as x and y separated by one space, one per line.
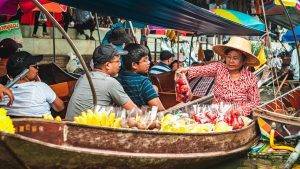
277 147
268 44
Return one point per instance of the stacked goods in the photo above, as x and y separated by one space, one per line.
198 119
202 119
182 88
6 124
119 118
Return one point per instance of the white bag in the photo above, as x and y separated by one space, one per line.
73 63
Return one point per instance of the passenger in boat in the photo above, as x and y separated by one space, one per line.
8 47
109 91
233 82
166 58
176 65
32 97
138 86
6 92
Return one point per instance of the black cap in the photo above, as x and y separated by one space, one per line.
8 46
105 53
165 55
20 61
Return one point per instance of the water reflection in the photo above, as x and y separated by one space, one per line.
253 163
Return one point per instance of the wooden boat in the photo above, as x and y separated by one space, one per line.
53 74
44 144
283 109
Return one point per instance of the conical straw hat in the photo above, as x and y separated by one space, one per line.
240 44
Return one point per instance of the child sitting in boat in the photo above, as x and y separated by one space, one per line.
133 79
109 91
32 97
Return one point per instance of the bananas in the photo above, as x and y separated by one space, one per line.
96 118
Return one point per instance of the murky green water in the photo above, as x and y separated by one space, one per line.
252 163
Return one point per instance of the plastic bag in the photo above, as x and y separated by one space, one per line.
182 88
74 64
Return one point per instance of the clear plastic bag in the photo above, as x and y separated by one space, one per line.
182 88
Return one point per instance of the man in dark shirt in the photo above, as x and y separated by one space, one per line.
138 87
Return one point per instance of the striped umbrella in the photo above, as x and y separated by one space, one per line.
240 18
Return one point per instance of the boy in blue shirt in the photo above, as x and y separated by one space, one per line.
138 87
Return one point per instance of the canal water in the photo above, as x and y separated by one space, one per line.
252 163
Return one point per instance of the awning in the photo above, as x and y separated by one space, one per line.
174 14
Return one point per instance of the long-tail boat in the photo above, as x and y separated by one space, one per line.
45 144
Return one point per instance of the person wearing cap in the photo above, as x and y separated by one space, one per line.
233 82
32 97
109 91
8 47
133 79
166 58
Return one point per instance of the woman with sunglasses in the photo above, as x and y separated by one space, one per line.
234 84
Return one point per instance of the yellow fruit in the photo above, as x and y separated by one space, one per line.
6 124
222 127
103 119
111 119
48 117
76 119
117 123
58 119
3 112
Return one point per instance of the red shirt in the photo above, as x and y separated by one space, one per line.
243 92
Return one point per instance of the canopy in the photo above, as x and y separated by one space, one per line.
288 36
175 14
241 18
53 7
9 7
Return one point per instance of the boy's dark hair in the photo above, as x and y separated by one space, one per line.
208 54
165 55
135 53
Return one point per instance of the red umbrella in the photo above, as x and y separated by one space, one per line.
53 7
9 7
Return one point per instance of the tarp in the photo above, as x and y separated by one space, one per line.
289 37
175 14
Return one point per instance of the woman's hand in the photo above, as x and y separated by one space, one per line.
8 92
183 70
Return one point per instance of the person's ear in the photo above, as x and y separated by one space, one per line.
134 65
107 65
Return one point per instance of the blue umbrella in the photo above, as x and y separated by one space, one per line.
288 36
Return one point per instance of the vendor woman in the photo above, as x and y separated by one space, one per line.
233 82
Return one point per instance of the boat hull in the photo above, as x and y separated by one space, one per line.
93 147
